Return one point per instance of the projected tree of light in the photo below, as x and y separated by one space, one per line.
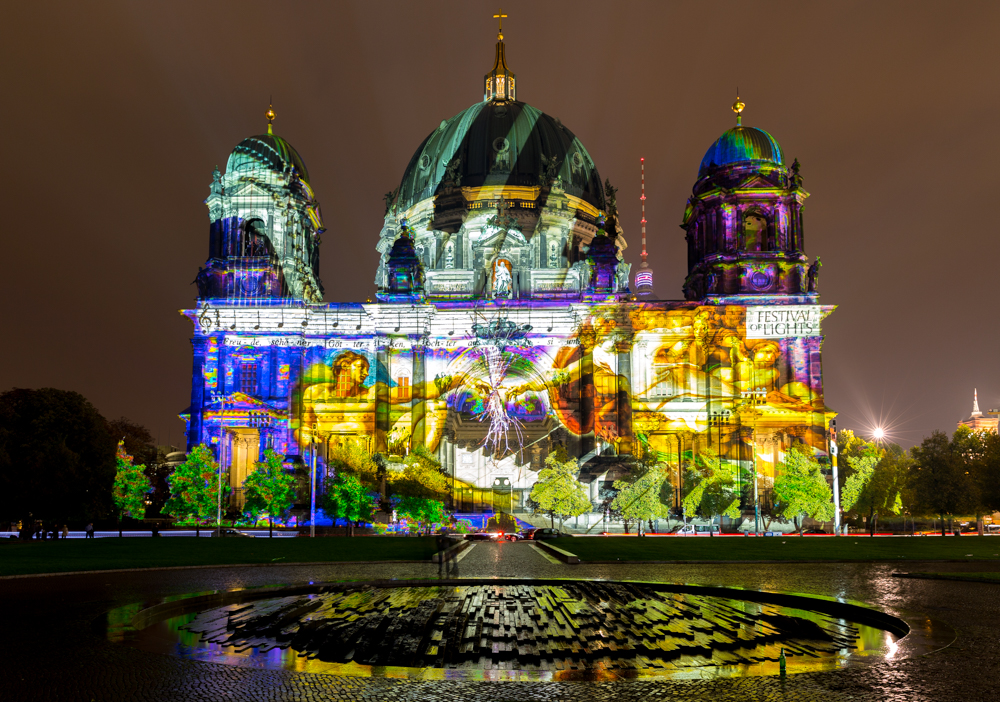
493 338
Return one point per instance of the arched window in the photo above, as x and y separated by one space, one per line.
754 232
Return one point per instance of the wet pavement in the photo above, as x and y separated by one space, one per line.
55 647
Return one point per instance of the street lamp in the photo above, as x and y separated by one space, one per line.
836 478
752 398
878 433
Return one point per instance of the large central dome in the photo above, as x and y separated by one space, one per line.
500 143
501 201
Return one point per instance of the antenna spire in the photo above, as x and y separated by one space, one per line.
975 404
644 276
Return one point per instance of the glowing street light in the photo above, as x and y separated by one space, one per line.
878 433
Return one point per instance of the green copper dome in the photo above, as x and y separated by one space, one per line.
501 142
266 151
742 145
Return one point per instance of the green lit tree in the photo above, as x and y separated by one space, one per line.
423 510
558 491
640 496
801 489
194 487
349 499
875 483
269 489
130 487
712 488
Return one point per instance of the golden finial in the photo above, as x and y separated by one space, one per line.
499 16
270 117
738 109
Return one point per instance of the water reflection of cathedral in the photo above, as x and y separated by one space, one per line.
504 322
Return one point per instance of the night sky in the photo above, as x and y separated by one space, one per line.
116 113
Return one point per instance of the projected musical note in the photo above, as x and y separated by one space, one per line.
398 322
282 322
257 325
359 321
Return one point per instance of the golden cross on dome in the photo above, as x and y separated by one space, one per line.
738 108
500 16
270 116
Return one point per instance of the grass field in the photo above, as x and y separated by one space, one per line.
99 554
782 548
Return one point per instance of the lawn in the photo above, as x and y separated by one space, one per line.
18 558
782 548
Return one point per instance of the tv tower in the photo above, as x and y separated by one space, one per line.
643 276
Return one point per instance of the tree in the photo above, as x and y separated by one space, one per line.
347 498
640 495
194 486
57 459
940 480
713 488
139 444
130 487
801 489
422 510
557 490
421 476
268 489
876 482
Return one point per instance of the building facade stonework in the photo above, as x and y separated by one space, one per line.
504 324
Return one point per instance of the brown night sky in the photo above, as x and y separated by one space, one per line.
116 114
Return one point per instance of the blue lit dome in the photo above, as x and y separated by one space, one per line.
742 145
267 152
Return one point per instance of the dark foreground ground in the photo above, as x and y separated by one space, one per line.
52 651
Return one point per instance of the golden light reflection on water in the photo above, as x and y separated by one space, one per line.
170 636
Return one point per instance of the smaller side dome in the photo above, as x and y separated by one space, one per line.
266 151
742 145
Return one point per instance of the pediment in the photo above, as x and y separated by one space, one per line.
249 190
757 182
510 239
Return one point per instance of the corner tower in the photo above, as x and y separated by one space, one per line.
744 220
265 226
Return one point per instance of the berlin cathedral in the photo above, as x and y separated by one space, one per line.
505 321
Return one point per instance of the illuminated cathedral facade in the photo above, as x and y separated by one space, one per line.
505 321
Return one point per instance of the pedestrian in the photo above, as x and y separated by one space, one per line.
42 534
156 529
65 531
90 530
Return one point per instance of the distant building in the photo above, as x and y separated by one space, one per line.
979 421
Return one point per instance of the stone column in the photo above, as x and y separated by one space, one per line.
194 436
382 403
624 399
587 390
418 403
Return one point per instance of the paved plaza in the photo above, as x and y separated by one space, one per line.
55 646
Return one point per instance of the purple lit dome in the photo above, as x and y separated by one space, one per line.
742 145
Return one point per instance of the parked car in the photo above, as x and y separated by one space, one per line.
231 532
526 533
540 534
482 536
513 536
696 529
814 530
